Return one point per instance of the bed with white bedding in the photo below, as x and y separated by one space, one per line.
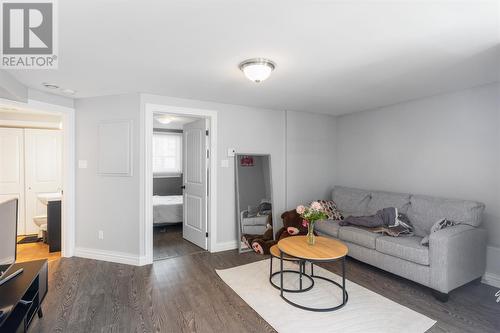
167 209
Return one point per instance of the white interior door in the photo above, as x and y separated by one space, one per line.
43 165
195 182
12 170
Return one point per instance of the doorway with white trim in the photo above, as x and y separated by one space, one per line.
180 184
36 150
179 206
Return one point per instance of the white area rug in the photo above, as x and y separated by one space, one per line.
365 310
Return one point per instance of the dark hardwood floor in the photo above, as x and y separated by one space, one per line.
168 243
184 294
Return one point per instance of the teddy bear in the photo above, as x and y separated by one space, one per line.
292 226
249 239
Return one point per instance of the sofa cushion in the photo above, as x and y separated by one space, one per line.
328 227
359 236
330 208
351 201
380 200
424 211
407 248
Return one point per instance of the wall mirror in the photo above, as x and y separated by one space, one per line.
254 198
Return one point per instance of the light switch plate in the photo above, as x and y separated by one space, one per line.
82 164
224 163
231 152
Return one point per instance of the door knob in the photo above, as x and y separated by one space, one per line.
183 187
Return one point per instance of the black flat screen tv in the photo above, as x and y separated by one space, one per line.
8 234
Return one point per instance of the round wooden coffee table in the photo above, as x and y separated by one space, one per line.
324 250
276 253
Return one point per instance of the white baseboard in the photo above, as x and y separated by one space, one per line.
225 246
491 279
111 256
143 260
492 275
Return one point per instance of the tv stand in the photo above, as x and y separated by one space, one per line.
11 276
21 296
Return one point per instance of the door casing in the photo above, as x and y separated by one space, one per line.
151 104
69 165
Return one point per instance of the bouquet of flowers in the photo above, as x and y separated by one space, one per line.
310 214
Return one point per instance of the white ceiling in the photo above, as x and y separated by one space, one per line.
332 56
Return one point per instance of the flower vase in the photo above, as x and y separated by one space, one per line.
310 233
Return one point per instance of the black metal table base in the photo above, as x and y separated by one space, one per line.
345 295
301 272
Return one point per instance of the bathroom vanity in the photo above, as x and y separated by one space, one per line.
53 203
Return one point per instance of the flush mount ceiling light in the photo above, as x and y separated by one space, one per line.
165 119
258 69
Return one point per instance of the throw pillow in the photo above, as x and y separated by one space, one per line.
330 208
441 224
265 207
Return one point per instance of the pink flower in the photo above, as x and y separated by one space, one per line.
300 209
316 205
305 223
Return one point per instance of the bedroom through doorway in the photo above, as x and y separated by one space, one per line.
180 182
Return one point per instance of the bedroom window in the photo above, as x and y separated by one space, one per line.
167 154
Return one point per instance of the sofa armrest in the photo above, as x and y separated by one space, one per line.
457 255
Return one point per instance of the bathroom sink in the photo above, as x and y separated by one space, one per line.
46 197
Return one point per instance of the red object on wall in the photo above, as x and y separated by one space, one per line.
246 161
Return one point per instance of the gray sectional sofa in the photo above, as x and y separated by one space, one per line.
455 256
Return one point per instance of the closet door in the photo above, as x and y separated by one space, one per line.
43 161
12 170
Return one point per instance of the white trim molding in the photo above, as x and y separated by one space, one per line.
111 256
492 275
491 279
149 105
225 246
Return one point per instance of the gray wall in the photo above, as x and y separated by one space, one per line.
248 130
310 161
252 130
446 145
110 204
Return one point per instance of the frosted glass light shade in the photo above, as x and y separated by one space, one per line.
164 119
257 70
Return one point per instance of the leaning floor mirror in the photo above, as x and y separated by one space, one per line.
254 199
